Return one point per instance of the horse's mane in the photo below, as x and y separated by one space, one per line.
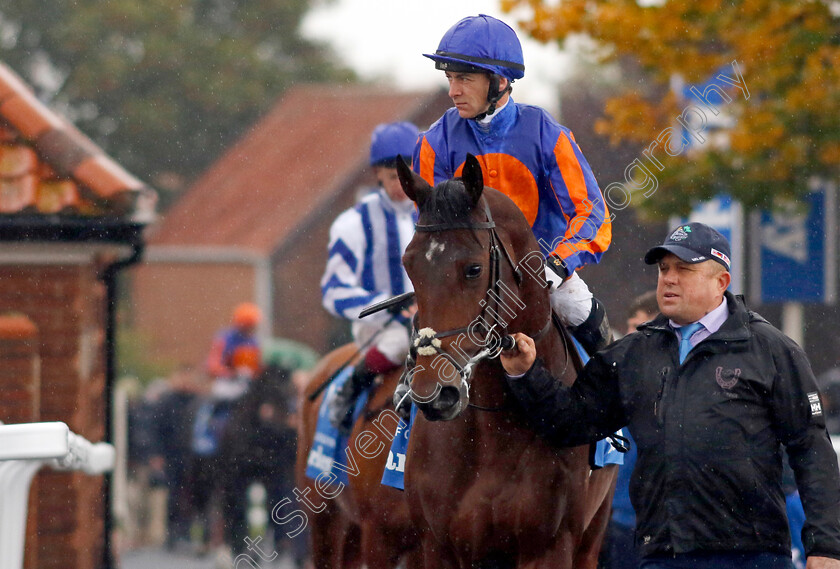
449 202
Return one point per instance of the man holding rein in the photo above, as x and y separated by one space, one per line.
710 392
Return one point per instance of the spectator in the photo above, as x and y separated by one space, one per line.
619 550
173 427
146 490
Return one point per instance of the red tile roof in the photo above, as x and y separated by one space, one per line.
47 166
290 163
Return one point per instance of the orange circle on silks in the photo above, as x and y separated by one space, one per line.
511 177
246 356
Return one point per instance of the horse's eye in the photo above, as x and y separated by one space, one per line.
472 271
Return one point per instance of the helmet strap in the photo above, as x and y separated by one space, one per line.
493 95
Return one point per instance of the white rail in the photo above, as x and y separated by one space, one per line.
24 449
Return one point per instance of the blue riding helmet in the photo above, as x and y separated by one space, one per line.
391 139
480 43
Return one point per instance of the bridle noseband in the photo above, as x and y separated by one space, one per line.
426 341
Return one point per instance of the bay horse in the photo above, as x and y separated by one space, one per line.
484 490
366 524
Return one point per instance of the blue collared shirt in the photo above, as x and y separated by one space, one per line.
711 323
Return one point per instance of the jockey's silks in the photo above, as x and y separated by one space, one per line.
536 162
231 350
365 256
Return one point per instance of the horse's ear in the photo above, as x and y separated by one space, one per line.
415 187
473 178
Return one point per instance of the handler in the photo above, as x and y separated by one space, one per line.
710 391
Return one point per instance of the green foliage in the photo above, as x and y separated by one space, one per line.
133 361
162 86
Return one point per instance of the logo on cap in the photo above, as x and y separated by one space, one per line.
680 233
721 256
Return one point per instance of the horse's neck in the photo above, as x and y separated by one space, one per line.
554 349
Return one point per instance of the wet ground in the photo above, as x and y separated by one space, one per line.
183 559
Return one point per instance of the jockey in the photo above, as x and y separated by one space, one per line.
235 356
525 154
234 360
365 266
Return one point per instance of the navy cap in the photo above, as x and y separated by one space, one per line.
693 243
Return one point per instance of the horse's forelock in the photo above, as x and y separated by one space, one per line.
449 202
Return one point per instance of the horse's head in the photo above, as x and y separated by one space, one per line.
477 274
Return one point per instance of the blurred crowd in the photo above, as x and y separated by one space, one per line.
211 449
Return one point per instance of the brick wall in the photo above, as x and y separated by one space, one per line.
64 306
20 397
177 308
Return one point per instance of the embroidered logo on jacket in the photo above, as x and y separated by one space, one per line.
816 407
727 378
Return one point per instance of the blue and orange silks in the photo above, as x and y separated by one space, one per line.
232 350
535 161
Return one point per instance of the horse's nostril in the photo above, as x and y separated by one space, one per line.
447 397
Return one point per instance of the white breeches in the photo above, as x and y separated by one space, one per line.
392 341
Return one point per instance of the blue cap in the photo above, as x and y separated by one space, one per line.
390 140
480 43
693 243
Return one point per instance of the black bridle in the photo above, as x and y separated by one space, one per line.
427 341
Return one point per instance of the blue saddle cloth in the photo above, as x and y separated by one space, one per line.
394 472
210 422
327 454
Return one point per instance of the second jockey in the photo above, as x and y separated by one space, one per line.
364 266
234 359
235 356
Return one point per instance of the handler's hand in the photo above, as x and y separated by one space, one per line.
822 563
520 358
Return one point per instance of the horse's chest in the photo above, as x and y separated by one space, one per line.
482 508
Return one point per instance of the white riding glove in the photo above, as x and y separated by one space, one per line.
571 300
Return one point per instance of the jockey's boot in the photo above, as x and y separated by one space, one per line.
341 410
594 333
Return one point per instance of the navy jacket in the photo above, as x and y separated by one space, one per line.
709 433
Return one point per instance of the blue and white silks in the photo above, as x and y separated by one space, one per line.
366 246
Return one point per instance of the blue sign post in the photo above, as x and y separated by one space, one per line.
797 251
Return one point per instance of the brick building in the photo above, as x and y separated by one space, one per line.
70 220
255 226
